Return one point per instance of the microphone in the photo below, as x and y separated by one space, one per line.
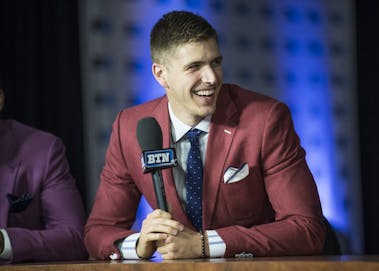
154 158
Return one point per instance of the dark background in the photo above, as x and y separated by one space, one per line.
40 67
367 41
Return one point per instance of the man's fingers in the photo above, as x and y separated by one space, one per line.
161 227
160 224
150 237
165 218
158 213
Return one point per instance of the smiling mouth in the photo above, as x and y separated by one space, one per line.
205 93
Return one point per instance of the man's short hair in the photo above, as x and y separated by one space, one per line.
176 28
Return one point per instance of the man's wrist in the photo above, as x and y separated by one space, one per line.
145 255
206 245
128 247
204 249
202 240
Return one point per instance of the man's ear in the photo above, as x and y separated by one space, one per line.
160 74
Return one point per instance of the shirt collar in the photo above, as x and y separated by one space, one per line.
179 129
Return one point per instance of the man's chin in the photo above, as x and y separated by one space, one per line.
207 111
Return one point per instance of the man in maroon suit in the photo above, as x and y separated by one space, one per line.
41 211
258 196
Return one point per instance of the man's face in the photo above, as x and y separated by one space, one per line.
192 77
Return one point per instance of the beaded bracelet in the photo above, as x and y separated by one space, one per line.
202 244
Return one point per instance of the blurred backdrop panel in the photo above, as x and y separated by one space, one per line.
301 52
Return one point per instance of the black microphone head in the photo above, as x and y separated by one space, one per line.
149 134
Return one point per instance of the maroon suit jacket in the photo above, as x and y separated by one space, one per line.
275 210
50 226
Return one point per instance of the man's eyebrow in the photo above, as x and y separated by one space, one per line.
218 58
199 62
194 63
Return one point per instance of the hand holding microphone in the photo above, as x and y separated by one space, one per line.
154 158
159 231
157 225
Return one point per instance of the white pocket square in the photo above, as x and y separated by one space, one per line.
233 174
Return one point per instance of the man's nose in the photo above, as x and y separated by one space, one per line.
209 75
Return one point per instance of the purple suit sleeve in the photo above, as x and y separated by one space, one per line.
59 212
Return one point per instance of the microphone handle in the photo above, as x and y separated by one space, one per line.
159 190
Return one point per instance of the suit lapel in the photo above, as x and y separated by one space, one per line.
223 127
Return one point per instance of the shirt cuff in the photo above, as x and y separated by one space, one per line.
216 245
128 247
7 252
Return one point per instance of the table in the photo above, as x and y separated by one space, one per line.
313 263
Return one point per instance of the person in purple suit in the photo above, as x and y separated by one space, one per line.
41 210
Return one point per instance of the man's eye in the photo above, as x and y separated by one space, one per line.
193 67
217 62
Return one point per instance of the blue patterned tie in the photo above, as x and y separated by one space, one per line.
194 180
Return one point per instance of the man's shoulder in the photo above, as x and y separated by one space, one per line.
248 105
247 95
242 99
21 134
20 129
23 142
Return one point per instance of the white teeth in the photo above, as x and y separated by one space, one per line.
205 92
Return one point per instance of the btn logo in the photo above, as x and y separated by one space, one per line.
158 159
